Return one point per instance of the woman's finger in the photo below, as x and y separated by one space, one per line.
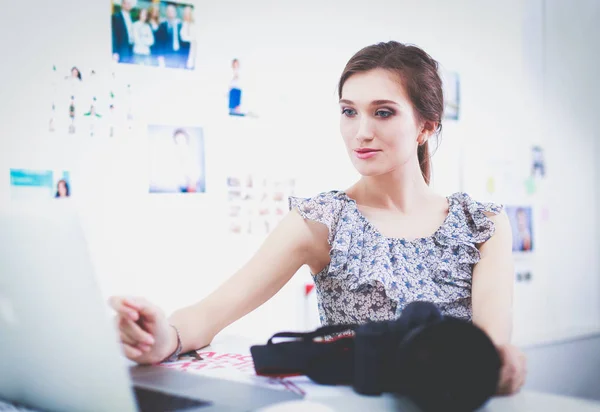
147 310
144 347
131 342
503 381
516 387
131 352
132 303
128 333
118 304
134 331
126 339
523 375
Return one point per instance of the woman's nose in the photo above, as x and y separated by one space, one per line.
365 129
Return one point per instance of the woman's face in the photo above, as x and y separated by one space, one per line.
143 15
180 140
62 189
154 13
522 220
378 123
187 14
75 73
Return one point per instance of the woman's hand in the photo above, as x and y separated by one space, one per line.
144 331
512 371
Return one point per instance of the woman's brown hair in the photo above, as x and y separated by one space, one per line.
419 75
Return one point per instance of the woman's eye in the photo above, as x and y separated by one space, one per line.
383 113
348 112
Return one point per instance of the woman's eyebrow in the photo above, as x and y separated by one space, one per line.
373 103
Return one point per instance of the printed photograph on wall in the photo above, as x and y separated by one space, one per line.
538 165
28 184
237 93
522 228
451 89
235 90
88 103
154 33
177 159
257 203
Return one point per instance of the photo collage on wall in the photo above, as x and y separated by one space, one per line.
86 102
154 41
257 203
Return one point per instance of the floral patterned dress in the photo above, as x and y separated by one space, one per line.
371 277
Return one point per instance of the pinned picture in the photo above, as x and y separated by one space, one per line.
236 96
538 165
28 184
235 90
177 159
257 203
153 33
522 229
451 90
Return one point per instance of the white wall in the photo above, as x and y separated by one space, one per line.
562 68
174 250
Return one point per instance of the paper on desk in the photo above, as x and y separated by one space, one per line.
240 367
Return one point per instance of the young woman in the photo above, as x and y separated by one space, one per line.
143 39
386 241
62 189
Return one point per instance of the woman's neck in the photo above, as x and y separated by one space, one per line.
403 190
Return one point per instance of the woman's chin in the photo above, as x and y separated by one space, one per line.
369 171
368 168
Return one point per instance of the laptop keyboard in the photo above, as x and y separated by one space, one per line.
149 400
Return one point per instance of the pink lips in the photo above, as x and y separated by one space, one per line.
365 153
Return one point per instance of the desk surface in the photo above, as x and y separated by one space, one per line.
345 399
525 401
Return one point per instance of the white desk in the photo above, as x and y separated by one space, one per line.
526 401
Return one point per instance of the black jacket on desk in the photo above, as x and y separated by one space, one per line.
440 362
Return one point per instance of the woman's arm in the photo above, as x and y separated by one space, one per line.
187 32
292 244
148 35
492 295
137 33
493 279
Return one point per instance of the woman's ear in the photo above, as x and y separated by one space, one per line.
427 129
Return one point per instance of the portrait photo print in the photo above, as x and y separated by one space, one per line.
522 229
31 185
151 33
177 159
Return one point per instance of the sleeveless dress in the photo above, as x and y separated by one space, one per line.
372 277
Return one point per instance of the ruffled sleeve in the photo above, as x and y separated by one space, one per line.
468 225
478 226
324 208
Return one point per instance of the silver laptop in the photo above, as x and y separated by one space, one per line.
59 350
